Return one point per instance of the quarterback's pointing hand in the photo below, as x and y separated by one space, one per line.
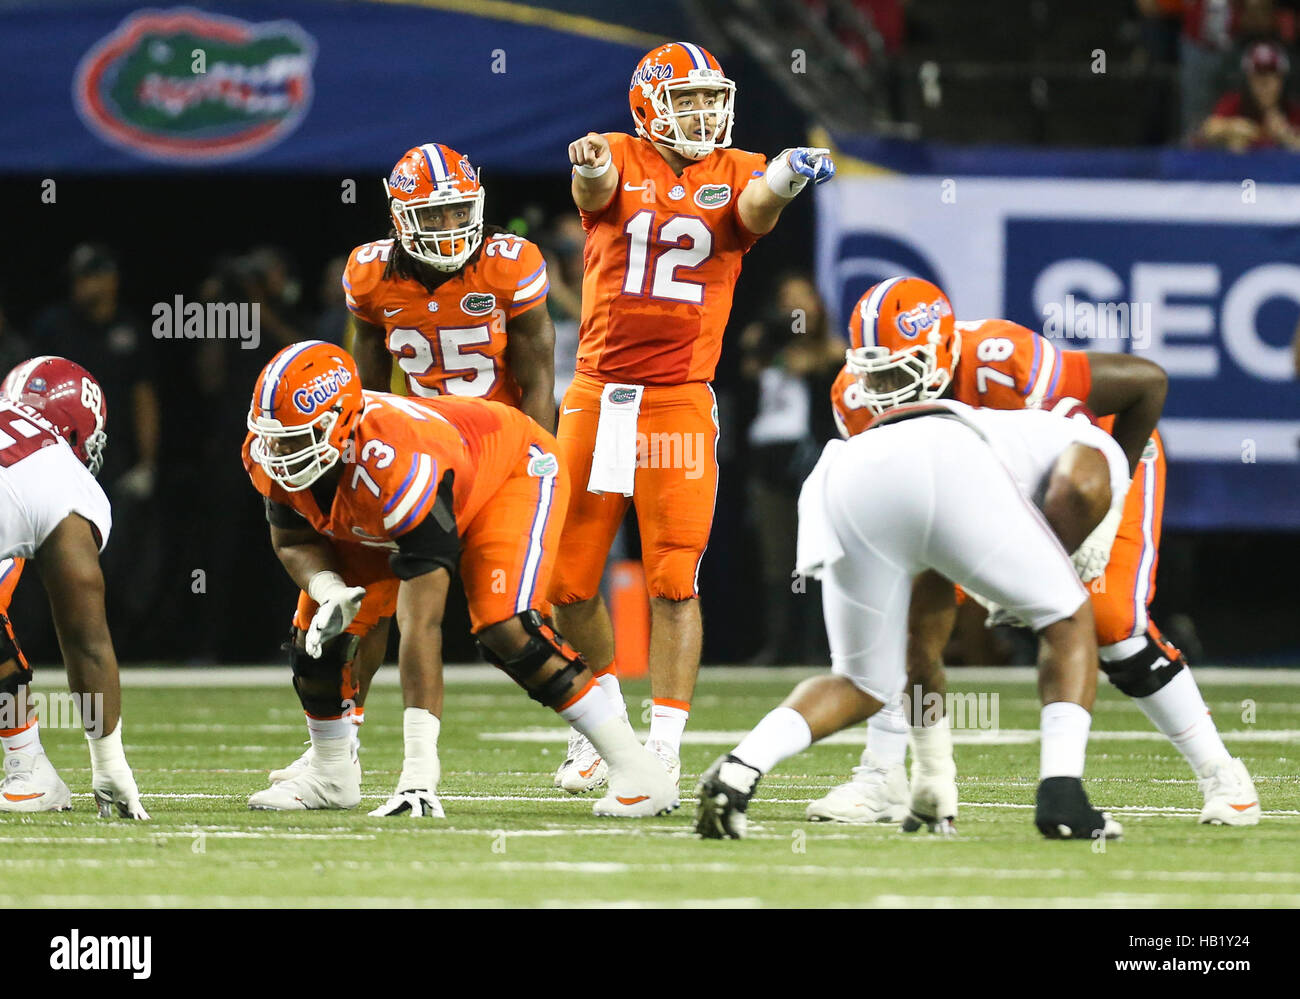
791 169
590 151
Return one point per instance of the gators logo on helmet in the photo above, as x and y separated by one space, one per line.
436 201
680 98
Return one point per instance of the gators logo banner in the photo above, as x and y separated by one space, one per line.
186 86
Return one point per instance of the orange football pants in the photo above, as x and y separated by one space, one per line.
1120 597
11 570
359 565
508 550
674 490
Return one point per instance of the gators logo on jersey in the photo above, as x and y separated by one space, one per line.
139 89
478 304
713 195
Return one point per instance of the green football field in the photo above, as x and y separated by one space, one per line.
202 740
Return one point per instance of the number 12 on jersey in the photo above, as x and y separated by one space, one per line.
641 259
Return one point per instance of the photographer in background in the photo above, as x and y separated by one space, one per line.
794 359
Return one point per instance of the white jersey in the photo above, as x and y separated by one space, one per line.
42 481
1029 442
944 487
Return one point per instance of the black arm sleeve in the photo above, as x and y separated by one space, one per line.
279 515
432 543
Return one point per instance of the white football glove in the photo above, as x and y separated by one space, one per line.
1091 557
791 169
338 605
111 779
416 803
115 791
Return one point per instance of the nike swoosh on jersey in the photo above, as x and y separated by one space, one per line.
391 312
629 187
566 412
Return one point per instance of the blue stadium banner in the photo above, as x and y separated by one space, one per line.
110 87
1202 277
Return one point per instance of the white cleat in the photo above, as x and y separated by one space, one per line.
664 753
639 791
32 785
583 768
313 787
303 761
1230 798
876 793
294 768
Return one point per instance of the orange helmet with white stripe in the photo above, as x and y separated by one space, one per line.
305 405
436 201
905 343
680 98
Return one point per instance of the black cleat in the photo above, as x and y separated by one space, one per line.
724 792
1062 811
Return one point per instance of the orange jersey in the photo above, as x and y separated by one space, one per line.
403 449
1002 365
660 265
453 341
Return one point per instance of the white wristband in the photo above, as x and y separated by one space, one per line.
590 172
782 179
325 584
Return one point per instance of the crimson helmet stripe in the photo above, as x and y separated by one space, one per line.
871 311
698 59
275 371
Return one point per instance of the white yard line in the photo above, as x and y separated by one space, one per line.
961 737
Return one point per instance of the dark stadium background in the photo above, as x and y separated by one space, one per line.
168 227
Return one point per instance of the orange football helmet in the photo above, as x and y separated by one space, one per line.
305 405
905 343
661 77
429 187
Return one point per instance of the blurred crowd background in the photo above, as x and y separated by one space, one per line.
190 573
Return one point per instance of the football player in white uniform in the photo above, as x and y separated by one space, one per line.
990 500
54 513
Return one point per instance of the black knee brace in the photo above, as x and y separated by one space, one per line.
1146 671
332 669
9 649
543 643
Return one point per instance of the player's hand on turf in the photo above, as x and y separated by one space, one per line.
591 150
415 804
812 162
115 792
333 616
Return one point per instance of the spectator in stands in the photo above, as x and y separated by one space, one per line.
93 329
332 320
1260 115
13 348
1204 56
794 358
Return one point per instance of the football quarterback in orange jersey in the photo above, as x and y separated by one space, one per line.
460 307
900 355
669 212
433 487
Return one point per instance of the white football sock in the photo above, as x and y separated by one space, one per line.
887 734
597 717
1179 711
1064 726
331 739
667 725
106 754
26 741
420 765
782 733
610 685
932 749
